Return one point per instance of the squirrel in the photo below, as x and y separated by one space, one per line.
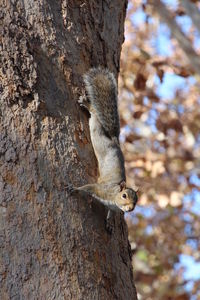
101 102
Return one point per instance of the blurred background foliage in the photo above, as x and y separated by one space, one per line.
159 104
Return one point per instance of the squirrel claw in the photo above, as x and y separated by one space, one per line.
81 99
70 189
83 102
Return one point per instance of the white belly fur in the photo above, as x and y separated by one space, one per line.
108 153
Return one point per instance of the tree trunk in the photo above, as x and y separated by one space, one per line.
53 246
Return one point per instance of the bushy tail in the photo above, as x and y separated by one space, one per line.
101 90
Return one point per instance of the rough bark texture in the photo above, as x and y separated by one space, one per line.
53 246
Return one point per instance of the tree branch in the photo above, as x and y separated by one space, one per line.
192 12
182 39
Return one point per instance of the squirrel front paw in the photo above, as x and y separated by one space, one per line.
70 189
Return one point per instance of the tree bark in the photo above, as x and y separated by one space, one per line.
53 246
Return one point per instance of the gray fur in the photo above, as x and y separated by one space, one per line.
101 90
108 153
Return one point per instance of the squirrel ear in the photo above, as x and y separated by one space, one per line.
122 185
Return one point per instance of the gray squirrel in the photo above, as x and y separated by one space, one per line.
101 102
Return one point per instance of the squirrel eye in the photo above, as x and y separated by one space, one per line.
124 196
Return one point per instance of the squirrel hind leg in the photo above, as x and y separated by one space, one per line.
110 222
84 102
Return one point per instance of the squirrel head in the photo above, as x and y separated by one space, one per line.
127 198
